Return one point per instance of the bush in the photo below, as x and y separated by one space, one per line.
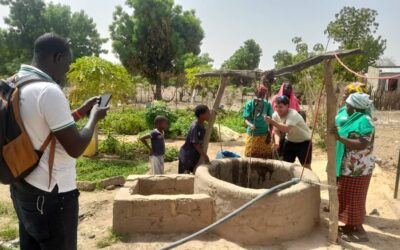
156 109
134 151
180 128
109 145
125 122
171 154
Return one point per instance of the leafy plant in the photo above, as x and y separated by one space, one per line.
91 76
171 154
125 122
156 109
109 145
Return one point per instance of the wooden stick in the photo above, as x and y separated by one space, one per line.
331 147
256 74
213 116
396 188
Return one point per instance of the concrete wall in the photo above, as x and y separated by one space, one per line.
143 207
161 184
285 215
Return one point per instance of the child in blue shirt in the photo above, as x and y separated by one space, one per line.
157 149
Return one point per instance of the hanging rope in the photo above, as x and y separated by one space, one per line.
313 129
363 76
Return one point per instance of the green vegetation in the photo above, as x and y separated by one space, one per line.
233 120
110 239
91 76
158 108
95 169
9 232
28 19
7 210
154 38
124 122
246 57
356 28
134 151
171 154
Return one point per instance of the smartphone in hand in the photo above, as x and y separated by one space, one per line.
105 100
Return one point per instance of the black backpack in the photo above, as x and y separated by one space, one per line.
18 157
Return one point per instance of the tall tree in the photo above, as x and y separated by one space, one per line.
247 57
28 19
154 38
285 58
356 28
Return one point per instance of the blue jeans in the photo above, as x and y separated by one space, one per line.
47 221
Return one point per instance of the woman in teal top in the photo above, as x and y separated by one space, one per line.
258 141
354 164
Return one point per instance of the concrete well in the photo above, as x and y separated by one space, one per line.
285 215
160 204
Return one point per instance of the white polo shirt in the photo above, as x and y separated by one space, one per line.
45 108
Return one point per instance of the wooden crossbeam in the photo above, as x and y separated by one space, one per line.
257 74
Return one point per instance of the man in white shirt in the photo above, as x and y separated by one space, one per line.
297 142
46 201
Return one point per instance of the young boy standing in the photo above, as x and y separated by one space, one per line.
191 152
157 149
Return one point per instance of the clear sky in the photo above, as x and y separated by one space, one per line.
272 23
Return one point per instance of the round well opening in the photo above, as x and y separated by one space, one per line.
251 173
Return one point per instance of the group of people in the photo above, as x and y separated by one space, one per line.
277 129
46 202
191 152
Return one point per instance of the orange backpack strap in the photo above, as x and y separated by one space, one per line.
51 139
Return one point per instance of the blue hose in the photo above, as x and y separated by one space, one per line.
233 214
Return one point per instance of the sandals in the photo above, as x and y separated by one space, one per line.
353 237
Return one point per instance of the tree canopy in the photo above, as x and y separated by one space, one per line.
247 57
154 38
285 58
91 76
29 19
356 28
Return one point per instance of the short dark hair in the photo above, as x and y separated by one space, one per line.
159 119
49 44
200 109
282 100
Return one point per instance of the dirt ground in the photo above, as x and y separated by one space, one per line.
383 229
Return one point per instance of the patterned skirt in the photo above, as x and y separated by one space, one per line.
257 147
352 194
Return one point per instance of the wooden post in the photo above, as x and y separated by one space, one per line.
331 104
396 186
213 116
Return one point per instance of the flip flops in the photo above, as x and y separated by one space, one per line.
353 236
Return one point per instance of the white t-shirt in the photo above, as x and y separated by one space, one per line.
299 131
45 108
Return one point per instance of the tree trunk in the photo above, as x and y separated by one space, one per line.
331 103
156 81
157 93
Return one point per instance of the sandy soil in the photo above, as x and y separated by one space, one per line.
383 230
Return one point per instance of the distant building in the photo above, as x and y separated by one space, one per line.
390 85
